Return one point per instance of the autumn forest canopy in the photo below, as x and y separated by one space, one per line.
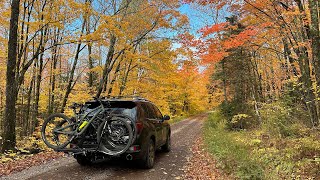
250 58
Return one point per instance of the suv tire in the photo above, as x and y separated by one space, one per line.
147 161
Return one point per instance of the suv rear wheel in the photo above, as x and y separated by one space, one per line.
148 159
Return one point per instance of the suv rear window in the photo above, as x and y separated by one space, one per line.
128 108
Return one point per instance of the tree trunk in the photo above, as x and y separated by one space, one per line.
71 80
314 8
125 79
309 94
25 130
53 81
37 94
9 134
73 68
224 82
106 69
91 76
113 80
90 61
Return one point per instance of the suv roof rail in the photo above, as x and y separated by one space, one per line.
122 97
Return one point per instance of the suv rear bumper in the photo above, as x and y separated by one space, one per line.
134 152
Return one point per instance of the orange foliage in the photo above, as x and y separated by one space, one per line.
213 29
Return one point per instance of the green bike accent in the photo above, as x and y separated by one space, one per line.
83 125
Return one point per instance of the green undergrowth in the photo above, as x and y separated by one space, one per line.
255 154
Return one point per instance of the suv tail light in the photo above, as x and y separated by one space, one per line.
134 148
139 126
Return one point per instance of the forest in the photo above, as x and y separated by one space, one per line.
71 51
254 64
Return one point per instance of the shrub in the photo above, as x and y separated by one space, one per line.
281 120
241 121
238 115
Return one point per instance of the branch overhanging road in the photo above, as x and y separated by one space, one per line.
167 165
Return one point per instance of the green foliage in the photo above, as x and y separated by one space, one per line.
281 120
259 154
275 118
241 121
232 154
238 115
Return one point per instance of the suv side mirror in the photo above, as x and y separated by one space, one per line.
166 117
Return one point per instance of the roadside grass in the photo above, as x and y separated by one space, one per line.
248 154
231 154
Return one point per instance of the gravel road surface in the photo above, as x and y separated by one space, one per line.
167 165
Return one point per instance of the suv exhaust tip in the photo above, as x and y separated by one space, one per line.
129 157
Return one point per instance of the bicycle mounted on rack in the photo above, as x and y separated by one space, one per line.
98 126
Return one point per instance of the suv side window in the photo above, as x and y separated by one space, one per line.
148 110
152 112
157 112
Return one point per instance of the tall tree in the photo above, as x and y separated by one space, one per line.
9 134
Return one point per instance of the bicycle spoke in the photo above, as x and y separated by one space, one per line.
55 139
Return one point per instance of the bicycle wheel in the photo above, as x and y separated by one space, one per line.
115 136
56 131
130 121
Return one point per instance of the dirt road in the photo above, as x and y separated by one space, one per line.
167 165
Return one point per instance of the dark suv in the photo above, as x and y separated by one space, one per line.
152 130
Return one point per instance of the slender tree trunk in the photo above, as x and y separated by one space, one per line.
113 80
125 79
106 69
9 134
71 80
314 8
1 111
53 85
224 82
287 52
309 94
73 68
26 118
50 90
90 59
53 80
37 94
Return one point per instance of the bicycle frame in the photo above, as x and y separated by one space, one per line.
74 133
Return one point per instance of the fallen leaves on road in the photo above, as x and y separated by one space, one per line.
27 161
201 165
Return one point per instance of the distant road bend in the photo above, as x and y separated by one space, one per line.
167 165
